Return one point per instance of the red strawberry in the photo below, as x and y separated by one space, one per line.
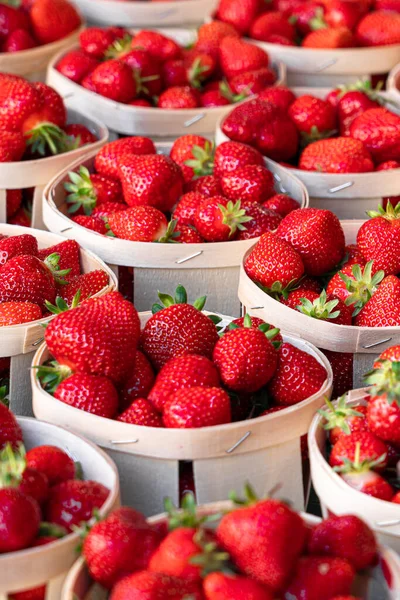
345 537
342 369
12 146
16 474
217 219
69 254
273 263
251 182
317 235
383 412
272 23
317 578
355 286
238 56
12 19
115 80
106 161
52 20
307 376
33 594
327 308
18 100
16 245
108 208
27 279
13 201
94 41
72 502
157 45
185 371
146 69
278 137
17 533
341 13
75 65
295 297
90 393
239 13
264 541
379 130
262 220
197 151
252 82
178 329
15 313
245 121
53 462
94 223
80 133
10 431
208 185
281 204
141 412
209 36
342 420
87 284
156 586
197 407
151 180
307 17
255 324
110 326
139 224
336 155
22 217
220 586
378 28
313 117
216 97
370 449
179 97
280 39
351 105
382 310
339 37
139 383
187 235
186 208
360 476
353 256
230 156
279 96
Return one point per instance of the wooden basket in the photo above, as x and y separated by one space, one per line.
49 564
137 120
265 451
310 67
20 341
337 497
349 196
365 342
79 586
131 13
37 173
211 269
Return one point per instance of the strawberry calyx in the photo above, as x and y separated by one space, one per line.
357 466
197 72
4 392
61 306
389 213
52 263
385 380
265 328
180 298
12 465
211 558
202 162
361 286
315 135
278 290
186 516
82 192
337 414
250 496
365 86
319 308
226 91
234 216
318 21
51 374
171 234
47 137
119 47
51 530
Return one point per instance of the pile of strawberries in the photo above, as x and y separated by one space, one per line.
195 195
26 24
350 131
365 437
149 69
259 550
179 371
44 490
35 283
315 23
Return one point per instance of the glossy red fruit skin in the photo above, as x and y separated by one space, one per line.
139 224
230 156
252 182
385 145
188 235
207 185
272 23
17 245
238 56
378 28
156 586
294 298
382 310
282 204
209 220
351 105
317 578
93 223
342 369
72 502
308 111
179 97
369 483
336 155
173 555
279 96
10 431
384 419
197 407
141 412
218 586
34 484
53 462
106 161
238 13
75 65
185 210
278 138
90 393
379 240
17 533
69 252
26 278
263 220
245 121
371 448
139 383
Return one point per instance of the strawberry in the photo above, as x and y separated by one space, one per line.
251 182
197 407
151 180
264 541
17 533
317 578
94 223
255 324
16 245
108 208
69 253
156 586
106 160
252 82
32 594
351 105
345 537
119 545
246 358
313 117
327 308
87 284
185 371
272 23
281 204
139 383
382 310
80 133
157 45
18 100
221 586
378 28
355 286
115 80
273 263
208 185
72 502
339 37
342 420
174 73
244 122
12 19
15 313
187 235
307 376
341 13
307 17
279 96
53 462
141 412
342 369
15 474
10 431
360 476
139 224
379 130
193 149
336 155
370 448
278 137
95 41
383 412
238 56
179 97
12 146
262 220
294 298
217 219
238 13
110 326
52 20
186 208
76 65
216 97
353 256
90 393
27 279
230 156
146 70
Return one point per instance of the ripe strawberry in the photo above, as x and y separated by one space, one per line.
351 105
378 28
115 80
10 431
53 462
18 100
184 371
12 19
53 20
313 117
379 130
250 182
197 151
90 393
273 263
307 17
336 155
12 146
244 122
139 383
107 158
108 208
177 329
141 412
345 537
95 41
186 208
255 323
208 185
75 65
231 156
32 594
339 37
15 313
279 96
13 201
220 586
342 420
22 217
341 13
383 412
272 23
294 298
139 224
307 376
69 253
80 133
110 326
157 45
238 56
281 204
17 533
382 310
317 578
355 286
353 256
278 137
89 190
217 219
197 407
27 279
15 474
146 70
156 586
179 97
252 82
187 235
264 541
215 97
370 449
327 308
209 36
93 223
262 220
360 476
246 358
342 369
87 285
119 545
238 13
72 502
317 235
151 180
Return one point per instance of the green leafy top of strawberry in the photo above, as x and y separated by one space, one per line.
197 72
52 263
186 516
357 466
12 465
233 215
315 135
226 92
385 380
211 558
337 415
250 496
180 298
82 193
51 374
48 137
61 305
202 162
265 328
390 213
319 308
362 287
366 87
119 47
